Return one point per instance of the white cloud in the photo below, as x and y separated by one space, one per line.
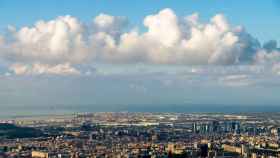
172 40
112 25
276 69
169 39
269 54
56 41
163 28
264 57
235 80
2 40
37 69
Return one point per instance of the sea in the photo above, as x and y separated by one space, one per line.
12 112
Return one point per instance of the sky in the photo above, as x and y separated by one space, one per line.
97 52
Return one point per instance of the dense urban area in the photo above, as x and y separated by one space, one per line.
141 135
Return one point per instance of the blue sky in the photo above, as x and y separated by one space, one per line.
139 52
259 17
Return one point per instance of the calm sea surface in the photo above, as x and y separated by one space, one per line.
9 112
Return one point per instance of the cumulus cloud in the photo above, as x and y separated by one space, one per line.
173 40
168 39
113 25
56 41
264 57
163 28
269 54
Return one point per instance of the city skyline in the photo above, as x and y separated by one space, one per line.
150 53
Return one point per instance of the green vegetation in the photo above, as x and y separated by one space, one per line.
11 131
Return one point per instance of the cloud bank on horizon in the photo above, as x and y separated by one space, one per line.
66 45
